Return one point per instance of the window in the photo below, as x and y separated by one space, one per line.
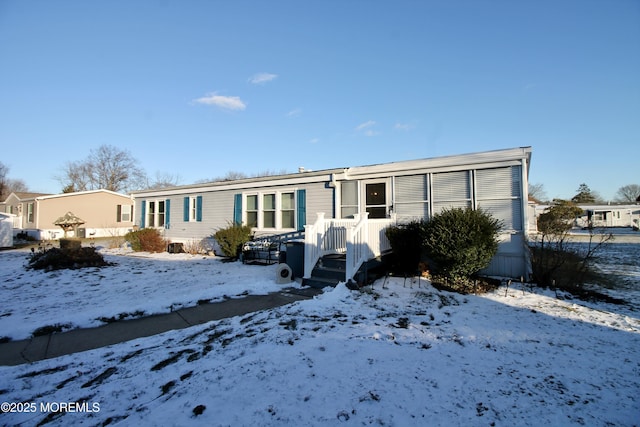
287 210
269 211
274 210
161 213
30 208
349 199
192 209
123 213
498 193
451 190
412 197
155 213
252 210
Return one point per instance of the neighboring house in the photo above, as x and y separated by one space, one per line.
105 213
14 204
345 210
6 230
624 216
609 216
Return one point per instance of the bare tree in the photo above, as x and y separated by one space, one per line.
8 185
4 171
628 193
76 176
234 175
16 185
537 193
106 168
163 180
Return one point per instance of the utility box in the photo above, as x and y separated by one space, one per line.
295 257
175 248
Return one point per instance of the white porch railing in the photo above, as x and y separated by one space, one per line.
359 238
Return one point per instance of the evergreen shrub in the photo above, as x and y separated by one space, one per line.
461 242
231 239
406 244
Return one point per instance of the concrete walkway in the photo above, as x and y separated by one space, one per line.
59 344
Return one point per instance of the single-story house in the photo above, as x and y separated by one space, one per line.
605 215
104 212
610 215
345 210
13 204
6 230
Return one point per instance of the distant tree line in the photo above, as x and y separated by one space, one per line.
584 195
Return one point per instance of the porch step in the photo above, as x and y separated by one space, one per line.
331 269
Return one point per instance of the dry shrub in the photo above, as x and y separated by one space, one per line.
193 247
147 240
55 259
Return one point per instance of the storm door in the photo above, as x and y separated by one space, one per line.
376 199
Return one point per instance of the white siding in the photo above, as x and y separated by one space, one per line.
320 198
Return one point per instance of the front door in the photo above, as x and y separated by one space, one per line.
376 199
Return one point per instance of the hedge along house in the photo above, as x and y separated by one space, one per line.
346 210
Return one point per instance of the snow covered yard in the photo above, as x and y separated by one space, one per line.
139 284
392 356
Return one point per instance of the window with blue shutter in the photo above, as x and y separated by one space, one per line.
186 210
237 208
199 208
167 214
301 213
143 210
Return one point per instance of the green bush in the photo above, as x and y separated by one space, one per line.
232 238
461 242
147 240
406 244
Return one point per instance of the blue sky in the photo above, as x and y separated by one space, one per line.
201 88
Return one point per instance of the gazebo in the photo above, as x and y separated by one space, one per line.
68 222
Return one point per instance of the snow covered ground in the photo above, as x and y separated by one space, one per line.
398 355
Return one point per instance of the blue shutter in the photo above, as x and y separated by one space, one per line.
301 213
143 210
237 209
167 214
186 210
199 208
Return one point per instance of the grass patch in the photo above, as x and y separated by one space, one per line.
50 329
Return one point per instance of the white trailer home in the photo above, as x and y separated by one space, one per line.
6 230
345 210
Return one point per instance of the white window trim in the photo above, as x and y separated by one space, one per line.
193 209
156 213
125 212
278 210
